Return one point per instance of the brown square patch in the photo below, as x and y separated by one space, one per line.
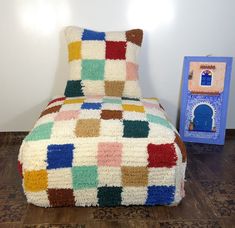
36 180
111 114
61 197
135 36
50 110
134 176
114 88
87 128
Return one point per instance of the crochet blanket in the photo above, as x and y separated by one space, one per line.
103 151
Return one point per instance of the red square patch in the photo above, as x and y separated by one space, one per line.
115 50
161 155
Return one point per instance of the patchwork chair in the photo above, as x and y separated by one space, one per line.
102 143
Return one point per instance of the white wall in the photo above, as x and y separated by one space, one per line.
34 67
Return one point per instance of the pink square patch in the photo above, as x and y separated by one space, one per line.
67 115
149 105
131 71
109 154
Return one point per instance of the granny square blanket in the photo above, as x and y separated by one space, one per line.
103 151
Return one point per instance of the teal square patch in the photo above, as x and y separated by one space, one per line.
40 132
158 120
93 69
112 100
84 177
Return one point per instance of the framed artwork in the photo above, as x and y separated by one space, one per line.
204 101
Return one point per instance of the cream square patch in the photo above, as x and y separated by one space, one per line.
115 36
60 178
132 52
115 70
134 195
73 34
135 153
111 128
132 89
85 153
109 176
75 70
93 49
91 86
86 197
89 114
161 176
63 130
38 198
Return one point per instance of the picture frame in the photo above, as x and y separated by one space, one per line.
204 99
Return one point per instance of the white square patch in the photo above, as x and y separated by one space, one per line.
134 195
115 70
73 34
109 176
89 114
135 153
38 198
109 106
161 176
91 86
134 116
132 52
85 153
93 49
63 130
132 89
60 178
75 70
86 197
113 128
115 36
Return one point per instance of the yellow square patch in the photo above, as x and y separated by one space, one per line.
133 108
74 50
74 101
36 180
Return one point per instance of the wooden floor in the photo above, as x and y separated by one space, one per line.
209 201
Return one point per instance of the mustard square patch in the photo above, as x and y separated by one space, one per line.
133 108
36 180
74 50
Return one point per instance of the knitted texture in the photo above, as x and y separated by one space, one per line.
102 151
103 63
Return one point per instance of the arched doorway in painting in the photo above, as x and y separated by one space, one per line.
203 118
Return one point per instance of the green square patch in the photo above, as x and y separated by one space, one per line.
135 129
73 88
109 196
84 177
93 69
40 132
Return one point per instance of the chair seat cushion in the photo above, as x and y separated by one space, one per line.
103 151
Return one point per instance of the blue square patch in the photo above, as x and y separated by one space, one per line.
160 195
91 106
59 156
92 35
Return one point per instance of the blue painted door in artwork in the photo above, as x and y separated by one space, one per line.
203 118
